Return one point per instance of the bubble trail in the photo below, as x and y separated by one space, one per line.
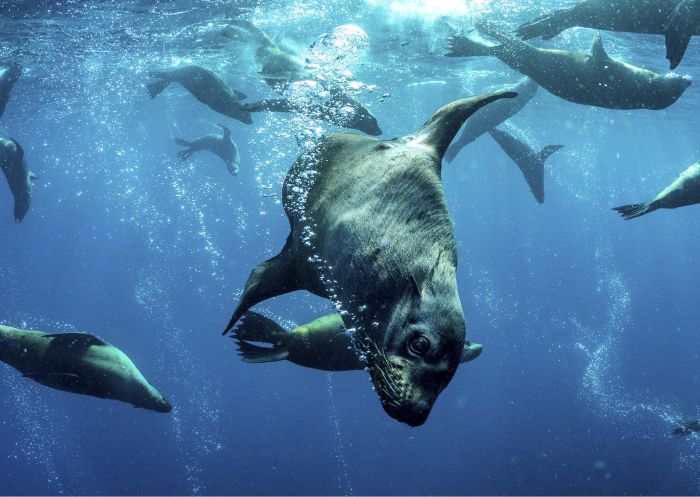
344 482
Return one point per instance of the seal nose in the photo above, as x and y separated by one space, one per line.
412 415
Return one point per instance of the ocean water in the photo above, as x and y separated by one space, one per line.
589 323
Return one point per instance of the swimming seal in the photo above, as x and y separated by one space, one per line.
687 428
589 79
682 192
321 344
78 363
370 231
493 115
530 163
676 20
18 175
221 145
337 108
206 87
8 78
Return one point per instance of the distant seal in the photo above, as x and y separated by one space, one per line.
18 175
370 230
531 163
589 79
321 344
337 108
206 87
687 428
221 145
677 20
682 192
78 363
8 78
493 115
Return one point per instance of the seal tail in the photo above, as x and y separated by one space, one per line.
255 327
157 87
634 210
471 45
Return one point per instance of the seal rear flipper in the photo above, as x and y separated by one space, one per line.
634 210
257 354
255 327
269 279
538 165
439 131
155 88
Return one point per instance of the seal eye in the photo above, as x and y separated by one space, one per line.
419 345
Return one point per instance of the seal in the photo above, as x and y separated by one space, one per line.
206 87
686 428
18 175
371 232
78 363
530 163
8 78
676 20
337 108
493 115
221 145
322 344
684 191
588 79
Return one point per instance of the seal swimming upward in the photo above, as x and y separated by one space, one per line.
206 87
8 78
589 79
321 344
493 115
370 231
682 192
676 20
14 165
339 108
531 163
221 145
78 363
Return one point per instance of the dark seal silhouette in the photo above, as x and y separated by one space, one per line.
18 175
221 145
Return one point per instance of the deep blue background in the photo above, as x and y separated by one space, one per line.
588 322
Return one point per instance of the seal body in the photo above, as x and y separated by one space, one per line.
323 344
687 428
78 363
530 163
221 145
682 192
493 115
589 79
19 178
370 231
8 78
677 20
206 87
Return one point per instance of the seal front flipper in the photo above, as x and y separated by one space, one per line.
439 131
679 28
74 340
62 381
269 279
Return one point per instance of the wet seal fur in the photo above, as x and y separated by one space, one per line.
78 363
220 145
588 79
205 86
684 191
370 231
8 78
322 344
18 175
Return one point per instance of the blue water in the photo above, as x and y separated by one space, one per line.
589 323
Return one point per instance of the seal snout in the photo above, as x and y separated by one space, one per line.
411 414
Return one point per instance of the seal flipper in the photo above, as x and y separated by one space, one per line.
598 54
257 328
271 104
471 351
77 340
439 131
635 210
678 29
62 381
269 279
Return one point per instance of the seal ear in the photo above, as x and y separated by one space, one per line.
439 131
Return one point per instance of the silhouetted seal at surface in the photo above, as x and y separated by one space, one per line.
493 115
78 363
321 344
682 192
531 163
588 79
206 87
18 175
370 231
8 78
221 145
676 20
